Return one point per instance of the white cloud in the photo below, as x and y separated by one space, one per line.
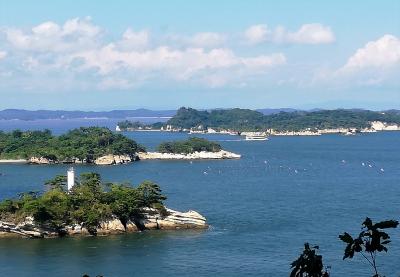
381 53
313 33
207 39
256 33
134 40
179 64
49 36
3 54
77 50
376 64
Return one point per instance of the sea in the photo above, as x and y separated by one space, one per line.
261 208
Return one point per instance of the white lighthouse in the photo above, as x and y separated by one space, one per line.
70 178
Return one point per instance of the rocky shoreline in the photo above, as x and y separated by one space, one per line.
203 155
124 159
151 219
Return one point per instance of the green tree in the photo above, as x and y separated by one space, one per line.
150 194
124 202
58 182
369 242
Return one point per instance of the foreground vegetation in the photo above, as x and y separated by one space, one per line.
248 120
85 144
371 240
188 146
88 203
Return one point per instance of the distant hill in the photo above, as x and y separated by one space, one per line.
274 111
250 120
60 114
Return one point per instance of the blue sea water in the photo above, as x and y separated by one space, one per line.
261 209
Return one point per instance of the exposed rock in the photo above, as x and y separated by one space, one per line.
113 159
191 156
131 227
174 220
77 229
24 229
41 160
151 219
383 126
112 226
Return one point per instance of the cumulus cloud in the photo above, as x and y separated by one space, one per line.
381 53
49 36
79 49
207 39
3 54
179 64
134 40
314 33
257 33
376 64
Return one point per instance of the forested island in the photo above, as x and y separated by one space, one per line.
188 146
245 120
91 207
82 145
190 149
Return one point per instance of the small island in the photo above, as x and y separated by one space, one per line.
190 149
88 206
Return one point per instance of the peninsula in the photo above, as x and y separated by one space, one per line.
91 207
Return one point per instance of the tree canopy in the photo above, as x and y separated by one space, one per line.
190 145
82 143
88 203
250 120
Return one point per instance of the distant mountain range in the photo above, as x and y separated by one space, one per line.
20 114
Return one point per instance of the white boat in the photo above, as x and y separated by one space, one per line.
256 136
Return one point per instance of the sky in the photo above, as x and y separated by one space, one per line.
103 55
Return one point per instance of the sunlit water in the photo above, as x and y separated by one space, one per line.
261 208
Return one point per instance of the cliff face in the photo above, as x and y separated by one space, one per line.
192 156
151 220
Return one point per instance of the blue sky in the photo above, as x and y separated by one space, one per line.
101 55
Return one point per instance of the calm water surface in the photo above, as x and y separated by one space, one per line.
261 209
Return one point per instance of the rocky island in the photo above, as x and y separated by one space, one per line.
91 207
190 149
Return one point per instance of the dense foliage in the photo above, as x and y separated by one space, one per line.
83 144
88 203
188 146
249 120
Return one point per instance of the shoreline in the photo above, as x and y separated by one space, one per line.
151 220
203 155
13 161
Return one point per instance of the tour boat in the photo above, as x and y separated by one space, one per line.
257 136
